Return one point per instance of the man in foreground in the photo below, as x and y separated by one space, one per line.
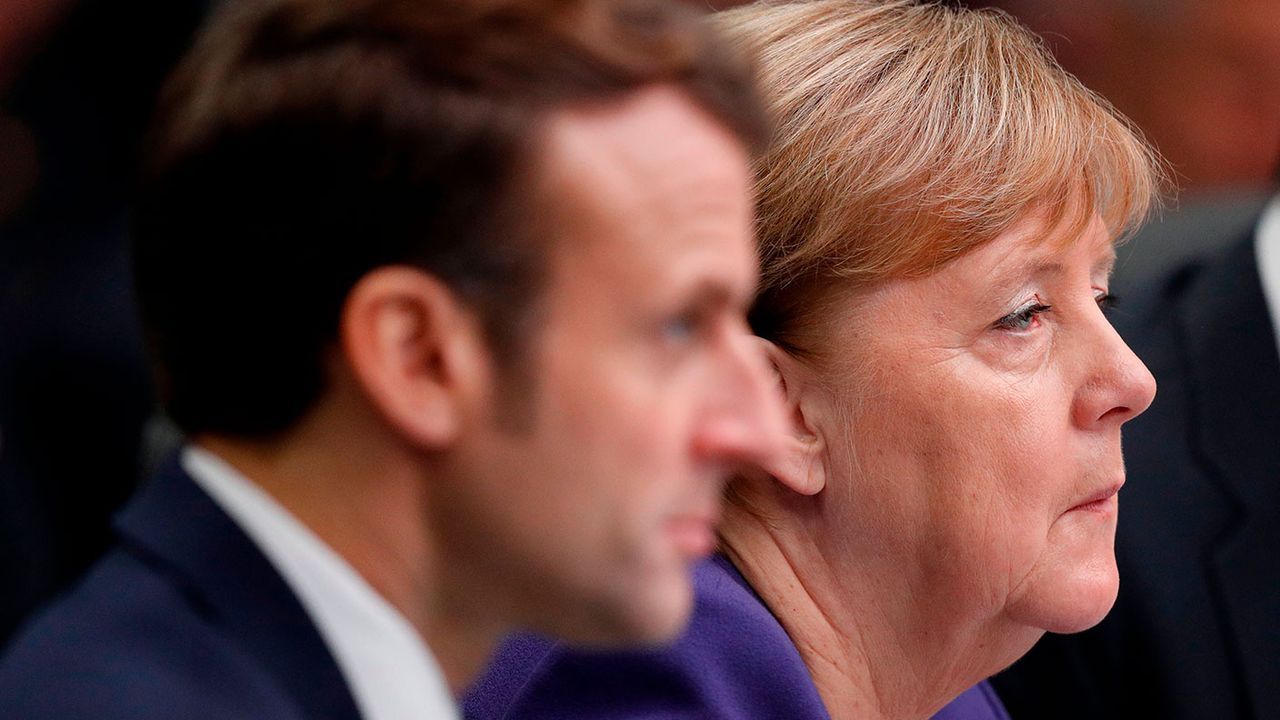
449 298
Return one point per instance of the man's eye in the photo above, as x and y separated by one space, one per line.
1024 318
680 329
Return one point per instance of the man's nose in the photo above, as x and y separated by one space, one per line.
747 426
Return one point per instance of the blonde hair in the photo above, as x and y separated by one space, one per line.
908 134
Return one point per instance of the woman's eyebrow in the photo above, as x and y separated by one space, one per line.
1105 264
1008 277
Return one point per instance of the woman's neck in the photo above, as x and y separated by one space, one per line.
868 657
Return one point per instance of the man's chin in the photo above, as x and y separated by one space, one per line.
649 618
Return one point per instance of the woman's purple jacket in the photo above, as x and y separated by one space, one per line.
734 662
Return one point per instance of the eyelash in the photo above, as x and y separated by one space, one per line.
1021 319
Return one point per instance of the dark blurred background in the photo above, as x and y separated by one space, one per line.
78 79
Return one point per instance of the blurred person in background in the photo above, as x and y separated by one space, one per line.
937 213
450 299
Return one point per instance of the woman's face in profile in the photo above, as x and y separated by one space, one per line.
979 428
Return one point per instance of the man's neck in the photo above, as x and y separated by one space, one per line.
369 508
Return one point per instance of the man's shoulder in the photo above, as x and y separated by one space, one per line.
127 642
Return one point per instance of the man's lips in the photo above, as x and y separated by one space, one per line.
1100 501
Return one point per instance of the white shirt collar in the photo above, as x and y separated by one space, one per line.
389 669
1267 247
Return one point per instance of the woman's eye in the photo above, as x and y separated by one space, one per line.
1024 318
1106 301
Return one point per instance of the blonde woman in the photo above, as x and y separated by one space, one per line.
937 217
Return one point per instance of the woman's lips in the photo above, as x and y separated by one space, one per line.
1102 501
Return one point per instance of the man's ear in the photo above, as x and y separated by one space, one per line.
798 466
415 350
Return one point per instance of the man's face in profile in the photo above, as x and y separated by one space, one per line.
645 389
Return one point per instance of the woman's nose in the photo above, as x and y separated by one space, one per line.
1119 386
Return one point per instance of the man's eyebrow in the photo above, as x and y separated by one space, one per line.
716 292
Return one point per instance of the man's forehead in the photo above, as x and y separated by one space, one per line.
654 131
652 180
652 165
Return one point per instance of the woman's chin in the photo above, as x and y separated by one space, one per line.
1069 602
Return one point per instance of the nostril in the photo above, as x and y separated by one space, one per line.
1121 411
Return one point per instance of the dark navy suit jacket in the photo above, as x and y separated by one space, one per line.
184 618
735 662
1195 632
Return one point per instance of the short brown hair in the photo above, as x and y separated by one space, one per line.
910 133
305 142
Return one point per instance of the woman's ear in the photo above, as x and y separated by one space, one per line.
415 351
798 466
